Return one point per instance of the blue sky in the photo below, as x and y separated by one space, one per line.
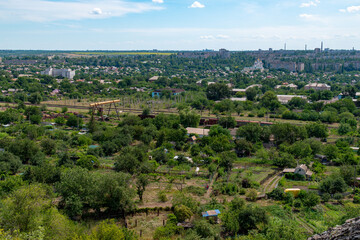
178 24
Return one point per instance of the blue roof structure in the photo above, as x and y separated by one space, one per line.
211 213
94 146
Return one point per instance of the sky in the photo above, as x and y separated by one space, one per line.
178 24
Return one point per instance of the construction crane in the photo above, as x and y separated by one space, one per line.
107 105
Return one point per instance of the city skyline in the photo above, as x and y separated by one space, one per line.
178 25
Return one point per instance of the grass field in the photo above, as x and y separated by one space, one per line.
122 53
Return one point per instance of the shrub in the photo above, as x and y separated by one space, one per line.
356 199
182 212
162 196
252 195
242 191
297 203
276 194
199 191
338 196
325 197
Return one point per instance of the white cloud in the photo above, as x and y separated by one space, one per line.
221 36
96 11
196 4
207 37
158 1
212 37
310 4
342 10
46 10
353 9
308 16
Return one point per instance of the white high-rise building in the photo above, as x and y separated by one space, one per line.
66 73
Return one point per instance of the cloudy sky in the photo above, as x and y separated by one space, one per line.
178 24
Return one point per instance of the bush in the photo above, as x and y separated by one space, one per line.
252 195
326 197
311 200
295 176
88 161
297 203
162 196
356 199
338 196
276 194
199 191
289 198
182 212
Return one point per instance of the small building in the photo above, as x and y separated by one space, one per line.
236 90
317 86
192 139
234 99
284 99
66 73
322 158
286 85
174 92
154 79
302 170
294 191
198 131
212 214
355 149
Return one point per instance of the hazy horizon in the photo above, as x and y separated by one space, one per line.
178 25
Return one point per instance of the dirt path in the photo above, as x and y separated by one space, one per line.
208 192
155 204
271 183
305 225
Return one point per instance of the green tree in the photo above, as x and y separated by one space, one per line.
217 130
269 100
64 109
126 163
317 130
297 102
252 195
311 200
253 132
9 163
74 121
35 98
189 118
24 209
33 114
109 230
243 219
244 148
48 146
227 122
60 121
141 182
285 132
182 212
284 160
217 91
333 184
251 93
88 161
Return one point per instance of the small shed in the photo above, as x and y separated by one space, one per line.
93 146
211 213
323 159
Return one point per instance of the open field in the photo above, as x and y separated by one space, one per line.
156 106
